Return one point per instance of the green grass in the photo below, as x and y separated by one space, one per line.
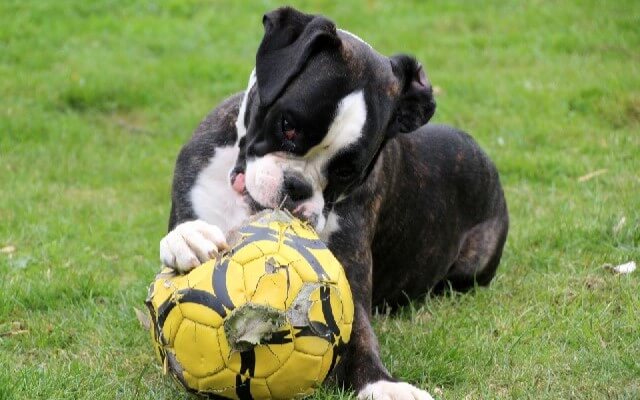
96 98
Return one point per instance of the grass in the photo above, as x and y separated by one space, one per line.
97 98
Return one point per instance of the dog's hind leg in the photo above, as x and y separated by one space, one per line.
479 255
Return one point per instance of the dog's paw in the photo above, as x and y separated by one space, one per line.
385 390
191 244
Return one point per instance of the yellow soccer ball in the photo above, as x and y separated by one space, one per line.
268 319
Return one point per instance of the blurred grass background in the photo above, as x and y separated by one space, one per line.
96 98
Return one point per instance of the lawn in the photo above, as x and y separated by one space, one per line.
96 98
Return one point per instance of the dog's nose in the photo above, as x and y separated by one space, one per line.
296 188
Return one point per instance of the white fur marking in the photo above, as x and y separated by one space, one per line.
312 208
332 225
355 37
340 198
241 128
345 129
385 390
212 197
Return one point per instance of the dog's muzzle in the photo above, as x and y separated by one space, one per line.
292 192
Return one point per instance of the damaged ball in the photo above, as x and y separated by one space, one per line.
268 319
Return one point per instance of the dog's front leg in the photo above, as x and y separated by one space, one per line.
362 368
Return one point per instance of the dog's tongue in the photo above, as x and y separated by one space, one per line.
238 183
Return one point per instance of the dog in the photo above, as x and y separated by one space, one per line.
337 133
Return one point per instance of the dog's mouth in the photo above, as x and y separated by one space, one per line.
238 184
236 177
237 180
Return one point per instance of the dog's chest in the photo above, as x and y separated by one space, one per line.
212 197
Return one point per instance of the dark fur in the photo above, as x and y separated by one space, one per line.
217 129
425 211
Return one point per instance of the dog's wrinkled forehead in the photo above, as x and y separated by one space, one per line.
305 63
299 77
290 38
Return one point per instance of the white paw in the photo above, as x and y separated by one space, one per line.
385 390
191 244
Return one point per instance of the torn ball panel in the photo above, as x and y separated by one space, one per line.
304 270
307 343
197 350
297 377
252 247
224 347
326 311
330 264
303 230
329 360
259 269
199 277
228 283
346 298
277 289
201 313
221 384
269 358
169 321
259 389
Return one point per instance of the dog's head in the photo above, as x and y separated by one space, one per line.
317 109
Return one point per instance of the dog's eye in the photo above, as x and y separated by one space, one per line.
288 130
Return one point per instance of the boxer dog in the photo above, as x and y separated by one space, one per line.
336 133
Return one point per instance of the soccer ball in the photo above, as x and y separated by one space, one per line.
268 319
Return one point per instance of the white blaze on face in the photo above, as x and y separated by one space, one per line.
241 128
345 129
265 175
332 224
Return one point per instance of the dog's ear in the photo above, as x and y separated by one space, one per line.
416 104
290 38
